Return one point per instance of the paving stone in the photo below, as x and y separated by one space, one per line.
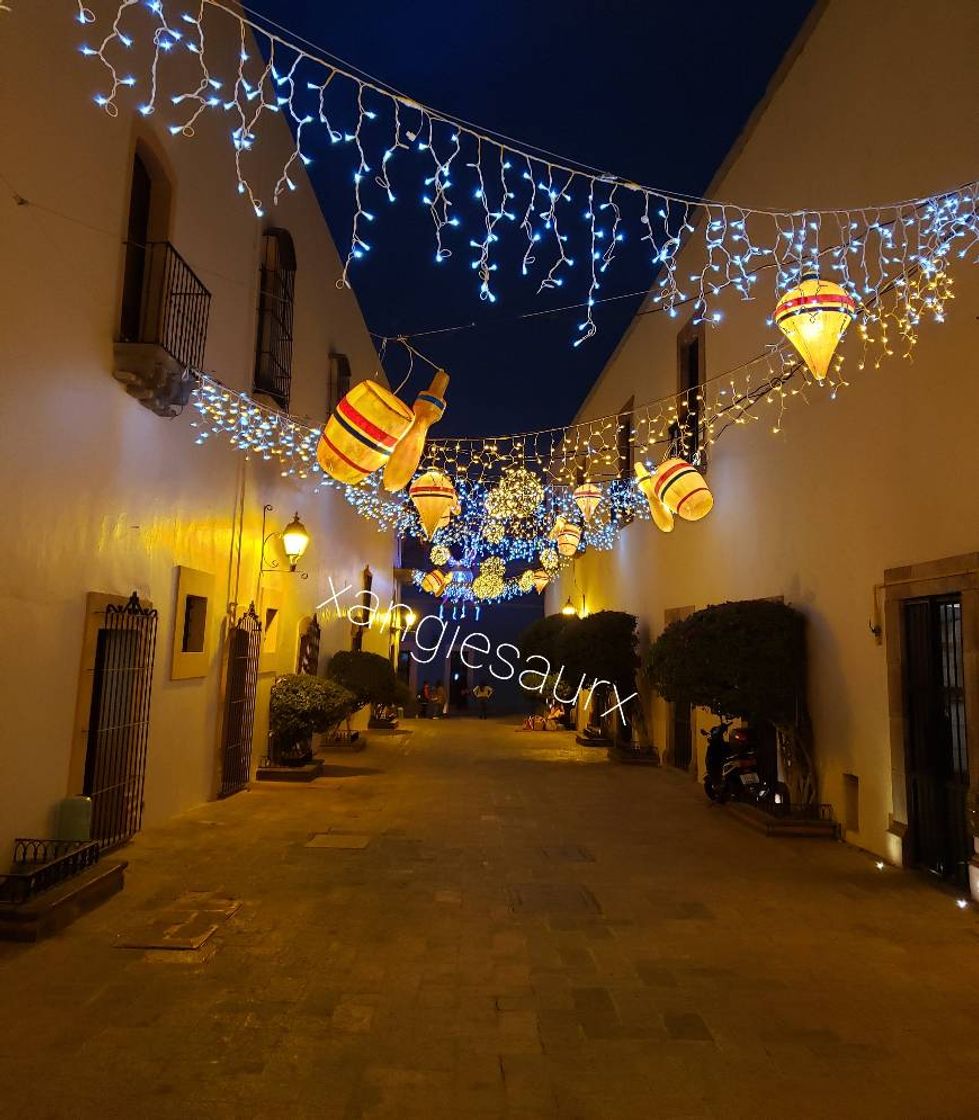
467 968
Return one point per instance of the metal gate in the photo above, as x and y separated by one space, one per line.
119 721
681 735
935 737
308 660
244 650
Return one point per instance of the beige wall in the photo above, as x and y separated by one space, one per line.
878 106
99 493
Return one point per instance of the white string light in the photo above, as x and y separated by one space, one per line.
508 184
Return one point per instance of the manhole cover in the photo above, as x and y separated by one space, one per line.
553 898
568 853
349 840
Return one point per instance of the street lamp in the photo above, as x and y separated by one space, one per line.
294 540
568 608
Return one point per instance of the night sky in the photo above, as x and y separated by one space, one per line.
654 92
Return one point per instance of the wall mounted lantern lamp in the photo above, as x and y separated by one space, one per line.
294 541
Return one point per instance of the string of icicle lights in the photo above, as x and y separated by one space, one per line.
569 222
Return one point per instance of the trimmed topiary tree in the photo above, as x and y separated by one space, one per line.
745 659
299 706
369 676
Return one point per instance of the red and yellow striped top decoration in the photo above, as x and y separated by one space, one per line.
682 489
362 432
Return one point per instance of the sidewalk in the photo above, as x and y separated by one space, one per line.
497 924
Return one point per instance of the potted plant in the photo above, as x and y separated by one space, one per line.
301 705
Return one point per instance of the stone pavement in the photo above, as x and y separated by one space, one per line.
497 924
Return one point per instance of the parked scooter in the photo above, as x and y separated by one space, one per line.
733 774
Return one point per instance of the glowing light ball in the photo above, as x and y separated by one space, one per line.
814 316
662 517
541 580
548 559
682 489
435 582
363 431
516 495
493 532
525 581
439 554
493 566
433 495
487 586
428 410
587 498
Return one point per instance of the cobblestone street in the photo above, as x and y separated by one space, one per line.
466 921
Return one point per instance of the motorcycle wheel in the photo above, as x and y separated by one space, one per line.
715 793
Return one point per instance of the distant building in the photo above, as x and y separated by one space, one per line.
128 256
861 511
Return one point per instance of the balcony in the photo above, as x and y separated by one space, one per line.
163 328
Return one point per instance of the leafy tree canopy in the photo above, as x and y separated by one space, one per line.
745 659
600 646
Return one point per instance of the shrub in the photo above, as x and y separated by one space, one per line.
745 659
370 677
301 705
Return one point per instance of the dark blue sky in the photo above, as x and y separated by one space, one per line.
655 92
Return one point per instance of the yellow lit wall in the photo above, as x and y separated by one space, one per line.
877 105
99 493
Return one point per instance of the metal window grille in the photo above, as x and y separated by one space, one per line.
308 659
935 729
174 306
119 721
273 357
244 650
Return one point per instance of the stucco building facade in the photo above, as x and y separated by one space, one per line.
104 496
858 500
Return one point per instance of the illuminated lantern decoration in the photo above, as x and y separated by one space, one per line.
439 554
362 432
493 566
433 496
428 410
448 515
662 517
559 523
682 489
493 532
541 580
435 582
568 538
548 559
488 586
525 581
518 493
587 498
814 316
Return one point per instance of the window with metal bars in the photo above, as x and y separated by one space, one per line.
276 300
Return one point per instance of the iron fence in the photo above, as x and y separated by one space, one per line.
41 864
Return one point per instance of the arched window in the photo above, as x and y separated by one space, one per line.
273 351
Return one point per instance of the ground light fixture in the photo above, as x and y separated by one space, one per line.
294 540
568 608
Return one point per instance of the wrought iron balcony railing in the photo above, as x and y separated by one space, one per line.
164 303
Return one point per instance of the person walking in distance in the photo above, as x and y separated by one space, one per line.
424 695
441 701
483 693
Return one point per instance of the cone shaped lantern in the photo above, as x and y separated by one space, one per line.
662 517
568 537
428 410
814 316
433 496
587 497
541 580
364 429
